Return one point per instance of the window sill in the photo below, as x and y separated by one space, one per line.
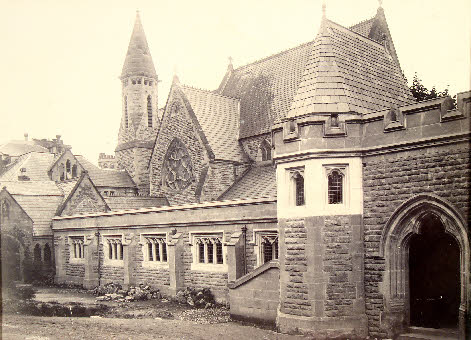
76 261
209 267
155 264
113 263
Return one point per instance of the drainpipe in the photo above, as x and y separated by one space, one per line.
244 233
97 234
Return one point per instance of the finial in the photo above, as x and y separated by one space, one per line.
230 67
175 76
230 60
380 3
323 9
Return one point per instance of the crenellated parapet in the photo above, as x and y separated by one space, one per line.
409 126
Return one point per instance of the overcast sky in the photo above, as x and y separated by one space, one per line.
60 60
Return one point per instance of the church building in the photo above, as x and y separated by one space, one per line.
309 190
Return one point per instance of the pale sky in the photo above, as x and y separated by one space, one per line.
60 60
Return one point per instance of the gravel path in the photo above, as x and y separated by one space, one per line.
45 328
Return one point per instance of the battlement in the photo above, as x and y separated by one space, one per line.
104 156
417 123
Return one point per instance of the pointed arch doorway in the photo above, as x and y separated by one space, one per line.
434 276
426 250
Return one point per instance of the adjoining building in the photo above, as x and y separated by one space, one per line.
309 190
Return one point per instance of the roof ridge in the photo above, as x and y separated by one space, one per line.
207 91
361 35
361 22
274 55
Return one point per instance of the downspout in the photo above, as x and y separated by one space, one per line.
97 234
244 253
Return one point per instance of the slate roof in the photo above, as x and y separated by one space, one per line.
259 181
36 165
363 27
39 199
348 73
106 177
17 148
218 116
266 88
134 202
138 59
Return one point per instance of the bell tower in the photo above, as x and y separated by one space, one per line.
139 122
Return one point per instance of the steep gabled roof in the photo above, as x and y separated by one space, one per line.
348 73
259 181
39 199
138 60
34 165
106 177
17 148
218 117
266 88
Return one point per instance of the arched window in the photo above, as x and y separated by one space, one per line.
68 170
74 170
299 188
61 172
149 111
265 150
335 187
37 253
47 254
126 118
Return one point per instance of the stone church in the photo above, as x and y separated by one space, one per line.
309 190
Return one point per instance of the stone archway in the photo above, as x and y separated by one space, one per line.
406 222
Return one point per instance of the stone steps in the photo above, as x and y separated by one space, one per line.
419 333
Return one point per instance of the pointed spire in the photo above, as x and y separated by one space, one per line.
138 59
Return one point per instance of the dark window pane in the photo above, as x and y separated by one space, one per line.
335 187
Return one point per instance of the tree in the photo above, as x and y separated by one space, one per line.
420 92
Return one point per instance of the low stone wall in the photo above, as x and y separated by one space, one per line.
255 296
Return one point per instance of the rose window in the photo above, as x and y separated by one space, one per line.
177 169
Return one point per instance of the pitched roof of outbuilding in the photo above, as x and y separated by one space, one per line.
134 202
138 59
17 148
348 73
39 199
218 117
259 181
106 177
35 165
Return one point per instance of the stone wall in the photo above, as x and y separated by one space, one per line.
256 296
177 123
390 180
251 145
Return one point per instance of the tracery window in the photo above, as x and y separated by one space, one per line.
77 249
156 246
266 243
209 249
335 180
149 111
115 250
177 168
